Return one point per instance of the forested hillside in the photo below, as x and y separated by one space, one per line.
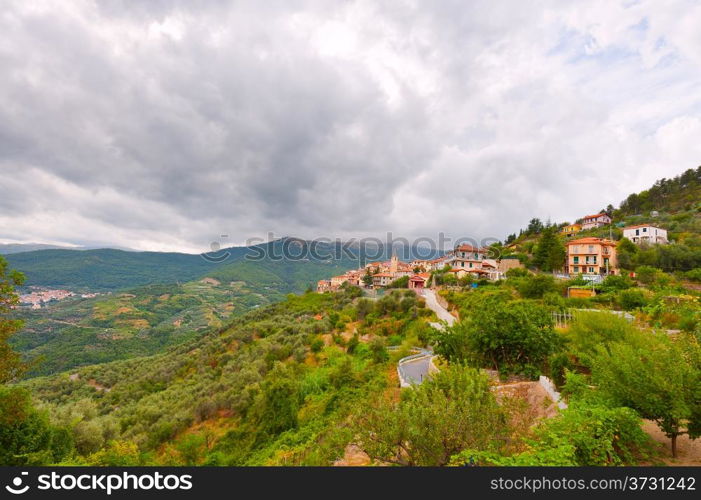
295 262
171 308
135 322
680 193
107 269
276 386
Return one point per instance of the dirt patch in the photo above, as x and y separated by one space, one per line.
353 457
210 281
351 329
98 387
688 451
538 400
692 286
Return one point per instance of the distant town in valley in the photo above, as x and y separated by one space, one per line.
39 297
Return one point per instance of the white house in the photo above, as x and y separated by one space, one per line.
646 233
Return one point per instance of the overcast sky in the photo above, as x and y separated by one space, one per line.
163 124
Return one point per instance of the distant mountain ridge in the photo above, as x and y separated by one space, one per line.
111 269
10 248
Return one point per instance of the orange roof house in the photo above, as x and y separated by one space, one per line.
591 256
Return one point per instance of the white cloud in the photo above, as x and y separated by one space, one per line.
162 125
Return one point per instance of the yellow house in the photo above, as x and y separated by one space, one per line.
571 229
591 256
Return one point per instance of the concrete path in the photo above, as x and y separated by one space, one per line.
441 312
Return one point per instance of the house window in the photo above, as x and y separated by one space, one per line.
591 269
576 269
576 260
470 264
644 230
637 232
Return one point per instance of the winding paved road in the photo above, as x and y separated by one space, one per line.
441 312
415 371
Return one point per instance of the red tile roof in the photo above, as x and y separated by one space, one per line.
592 240
468 248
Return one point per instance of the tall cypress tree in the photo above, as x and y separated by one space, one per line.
549 254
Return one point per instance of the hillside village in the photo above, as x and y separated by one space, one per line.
593 258
461 262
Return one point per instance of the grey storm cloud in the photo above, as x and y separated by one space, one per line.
161 124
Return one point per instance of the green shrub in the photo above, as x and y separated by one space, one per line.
632 299
646 274
694 275
535 286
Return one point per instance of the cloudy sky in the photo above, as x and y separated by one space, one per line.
163 124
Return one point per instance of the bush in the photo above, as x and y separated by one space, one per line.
559 364
454 410
598 434
378 350
646 274
583 435
402 282
534 287
694 275
511 337
593 330
517 272
26 437
617 282
632 299
317 345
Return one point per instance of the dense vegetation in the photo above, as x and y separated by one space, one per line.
136 322
681 193
277 386
144 320
507 327
26 435
106 269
